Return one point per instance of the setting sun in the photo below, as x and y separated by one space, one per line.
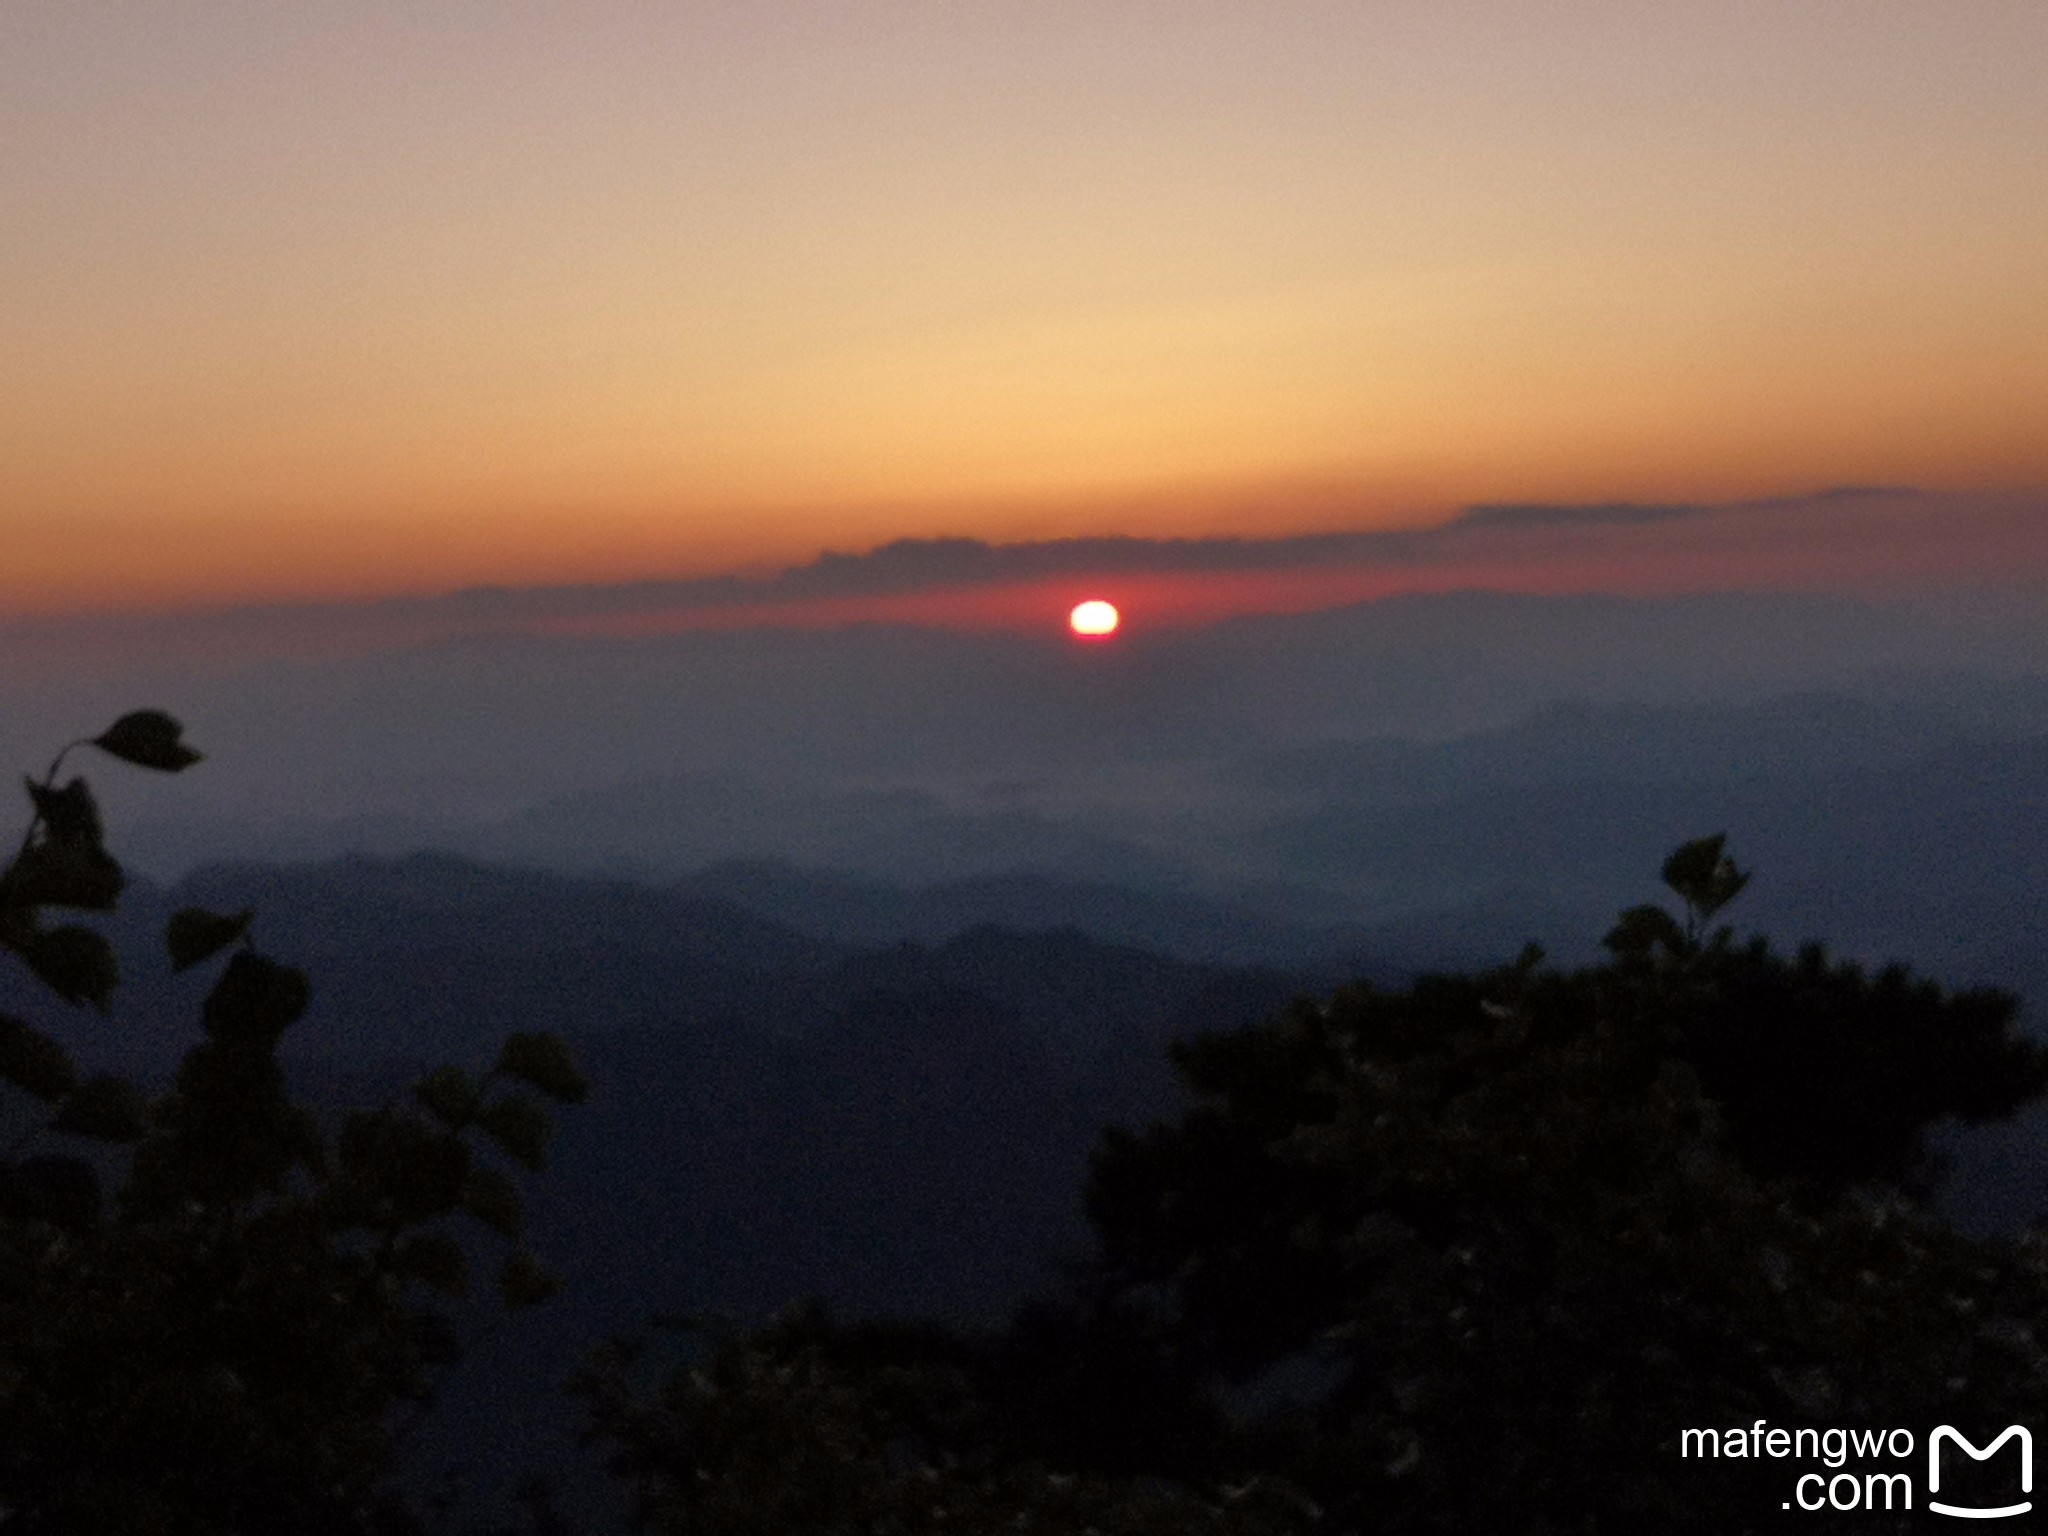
1094 619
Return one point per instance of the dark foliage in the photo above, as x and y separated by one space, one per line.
210 1302
803 1427
1464 1256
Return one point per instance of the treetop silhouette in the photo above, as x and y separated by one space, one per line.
211 1299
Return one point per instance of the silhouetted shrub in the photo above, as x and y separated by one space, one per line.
210 1301
1468 1255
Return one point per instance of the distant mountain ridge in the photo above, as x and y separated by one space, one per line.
505 746
791 1107
896 1127
1885 824
861 938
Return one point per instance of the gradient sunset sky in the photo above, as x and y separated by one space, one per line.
328 301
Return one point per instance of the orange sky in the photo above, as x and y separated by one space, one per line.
325 301
1968 553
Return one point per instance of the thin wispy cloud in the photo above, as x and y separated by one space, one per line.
913 565
1847 539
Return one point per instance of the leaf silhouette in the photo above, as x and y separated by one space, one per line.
194 934
544 1062
148 738
33 1062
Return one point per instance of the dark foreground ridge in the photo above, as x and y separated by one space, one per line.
1466 1251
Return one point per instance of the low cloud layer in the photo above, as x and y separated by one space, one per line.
1858 540
1496 538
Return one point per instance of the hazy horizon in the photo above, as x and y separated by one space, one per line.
623 496
325 304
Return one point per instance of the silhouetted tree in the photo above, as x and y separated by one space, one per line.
1823 1073
1493 1241
1464 1255
210 1302
803 1427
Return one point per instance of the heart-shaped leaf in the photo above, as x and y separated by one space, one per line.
148 738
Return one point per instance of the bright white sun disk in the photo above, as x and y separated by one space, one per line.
1094 618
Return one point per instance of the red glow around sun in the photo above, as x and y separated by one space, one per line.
1094 619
